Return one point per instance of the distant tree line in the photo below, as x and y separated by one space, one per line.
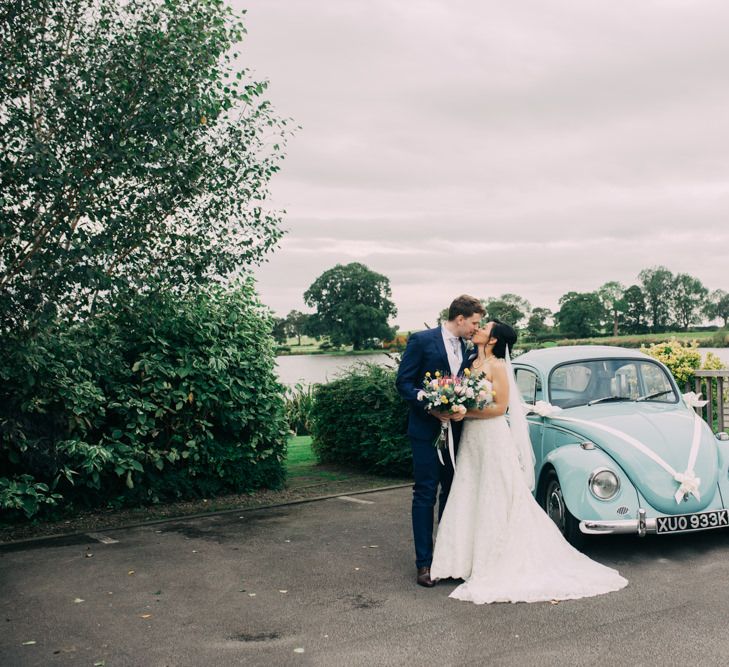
353 307
659 301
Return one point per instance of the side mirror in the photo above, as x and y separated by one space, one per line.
721 435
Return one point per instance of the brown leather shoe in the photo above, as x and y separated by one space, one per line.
424 578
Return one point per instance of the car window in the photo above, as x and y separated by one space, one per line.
530 387
574 377
603 380
656 383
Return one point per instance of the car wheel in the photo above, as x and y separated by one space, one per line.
556 509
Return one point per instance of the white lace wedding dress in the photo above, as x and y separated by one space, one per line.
495 536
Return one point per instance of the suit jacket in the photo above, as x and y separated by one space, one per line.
425 352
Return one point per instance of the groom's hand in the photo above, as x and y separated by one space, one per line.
458 416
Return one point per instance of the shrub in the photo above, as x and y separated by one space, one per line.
299 401
167 397
397 344
359 420
681 359
720 339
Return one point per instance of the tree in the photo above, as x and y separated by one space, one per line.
537 323
717 305
296 324
635 311
611 295
132 154
352 304
657 291
510 308
580 315
278 330
688 299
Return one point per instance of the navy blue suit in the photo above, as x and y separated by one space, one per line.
425 352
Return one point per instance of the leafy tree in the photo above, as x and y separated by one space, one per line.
580 315
352 305
279 331
635 311
688 299
722 306
611 295
657 291
132 154
537 323
296 324
509 308
717 305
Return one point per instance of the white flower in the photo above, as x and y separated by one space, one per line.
469 393
421 395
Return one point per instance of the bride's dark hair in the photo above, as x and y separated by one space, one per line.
504 335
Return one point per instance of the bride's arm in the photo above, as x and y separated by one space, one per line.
500 403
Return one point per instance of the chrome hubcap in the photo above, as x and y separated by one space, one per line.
555 505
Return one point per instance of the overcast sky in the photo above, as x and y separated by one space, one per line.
486 147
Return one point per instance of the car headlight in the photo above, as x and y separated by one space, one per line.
604 484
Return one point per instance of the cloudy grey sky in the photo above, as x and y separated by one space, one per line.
534 146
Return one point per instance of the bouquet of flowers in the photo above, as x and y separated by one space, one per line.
454 394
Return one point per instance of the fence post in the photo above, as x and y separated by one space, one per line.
722 408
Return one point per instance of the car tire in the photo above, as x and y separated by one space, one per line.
556 509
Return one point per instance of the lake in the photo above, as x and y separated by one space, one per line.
320 368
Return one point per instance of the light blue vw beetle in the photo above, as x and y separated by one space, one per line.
618 448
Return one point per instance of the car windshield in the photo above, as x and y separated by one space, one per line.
609 380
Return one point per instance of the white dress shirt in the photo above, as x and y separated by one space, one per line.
453 349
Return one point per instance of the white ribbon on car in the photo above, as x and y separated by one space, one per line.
687 480
451 450
693 400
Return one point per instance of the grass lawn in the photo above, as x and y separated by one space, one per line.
302 469
704 339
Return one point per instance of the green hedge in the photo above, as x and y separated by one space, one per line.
359 420
167 397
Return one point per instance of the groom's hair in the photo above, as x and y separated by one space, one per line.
465 305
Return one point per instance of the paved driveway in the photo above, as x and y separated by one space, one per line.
332 583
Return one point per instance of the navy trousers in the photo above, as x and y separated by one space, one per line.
428 475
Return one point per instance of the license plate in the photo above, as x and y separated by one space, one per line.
687 522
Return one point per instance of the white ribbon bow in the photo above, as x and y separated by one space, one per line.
689 484
543 409
693 400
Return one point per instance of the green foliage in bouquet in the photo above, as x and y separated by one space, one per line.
165 397
359 420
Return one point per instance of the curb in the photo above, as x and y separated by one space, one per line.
200 515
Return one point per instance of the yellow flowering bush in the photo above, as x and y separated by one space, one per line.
681 359
712 363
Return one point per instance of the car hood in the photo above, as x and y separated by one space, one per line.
665 429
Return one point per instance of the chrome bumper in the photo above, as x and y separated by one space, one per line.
640 526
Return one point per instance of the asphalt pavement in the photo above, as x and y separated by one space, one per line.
332 582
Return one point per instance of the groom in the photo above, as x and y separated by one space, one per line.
441 349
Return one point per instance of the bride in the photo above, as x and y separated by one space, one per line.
493 534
